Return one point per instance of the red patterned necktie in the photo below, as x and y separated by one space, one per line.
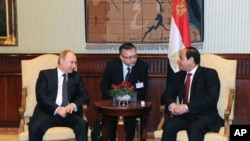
186 88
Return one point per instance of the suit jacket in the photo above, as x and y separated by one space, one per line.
204 95
46 91
113 74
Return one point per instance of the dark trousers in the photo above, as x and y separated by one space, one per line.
40 124
196 128
129 127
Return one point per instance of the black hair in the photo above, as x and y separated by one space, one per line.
193 52
126 46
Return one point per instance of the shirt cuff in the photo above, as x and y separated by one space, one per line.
169 108
75 109
56 111
186 108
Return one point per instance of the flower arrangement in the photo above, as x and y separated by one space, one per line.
125 88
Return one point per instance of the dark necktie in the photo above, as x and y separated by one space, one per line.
186 88
127 75
64 91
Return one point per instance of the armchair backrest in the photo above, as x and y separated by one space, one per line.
30 70
226 70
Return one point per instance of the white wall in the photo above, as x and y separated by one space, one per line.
49 26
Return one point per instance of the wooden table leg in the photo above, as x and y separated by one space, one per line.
120 125
104 127
144 127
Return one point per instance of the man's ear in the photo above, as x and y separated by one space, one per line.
120 57
191 59
60 60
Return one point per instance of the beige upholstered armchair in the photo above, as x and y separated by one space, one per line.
227 74
30 70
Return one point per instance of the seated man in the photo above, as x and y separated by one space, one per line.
60 93
115 73
197 112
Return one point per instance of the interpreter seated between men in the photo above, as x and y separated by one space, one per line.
114 73
59 105
197 112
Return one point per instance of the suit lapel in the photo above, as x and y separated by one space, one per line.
195 79
134 73
196 76
54 77
181 90
120 71
70 83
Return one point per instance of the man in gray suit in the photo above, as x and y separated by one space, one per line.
199 114
50 111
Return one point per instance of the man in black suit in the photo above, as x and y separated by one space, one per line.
49 111
114 74
199 115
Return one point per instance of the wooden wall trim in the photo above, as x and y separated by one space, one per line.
158 63
89 65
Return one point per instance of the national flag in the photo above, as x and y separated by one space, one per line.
179 32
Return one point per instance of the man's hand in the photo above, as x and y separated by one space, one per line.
62 112
70 108
180 109
172 108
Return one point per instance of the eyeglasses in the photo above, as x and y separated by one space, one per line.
130 57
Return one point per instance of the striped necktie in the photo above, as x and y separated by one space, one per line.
127 75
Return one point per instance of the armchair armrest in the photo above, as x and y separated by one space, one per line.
165 114
22 109
163 117
84 115
228 111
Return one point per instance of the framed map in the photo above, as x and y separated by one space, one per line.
8 25
137 21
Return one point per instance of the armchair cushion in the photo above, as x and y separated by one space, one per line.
55 133
182 135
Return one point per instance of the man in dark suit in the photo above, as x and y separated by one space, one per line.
50 111
115 73
199 114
